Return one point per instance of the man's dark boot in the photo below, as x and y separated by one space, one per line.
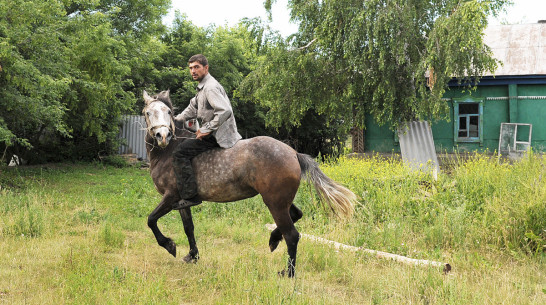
185 177
187 186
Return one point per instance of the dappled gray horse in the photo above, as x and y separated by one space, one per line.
260 165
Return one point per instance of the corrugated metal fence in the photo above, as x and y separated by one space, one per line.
133 131
417 147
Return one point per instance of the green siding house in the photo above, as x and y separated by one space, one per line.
516 93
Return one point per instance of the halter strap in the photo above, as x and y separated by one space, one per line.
149 128
156 126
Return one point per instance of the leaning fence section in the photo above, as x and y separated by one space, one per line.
417 147
515 139
132 134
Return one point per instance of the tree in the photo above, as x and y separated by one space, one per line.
183 40
354 57
136 18
232 54
64 70
297 96
33 77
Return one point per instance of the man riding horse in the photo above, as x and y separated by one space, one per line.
212 107
260 165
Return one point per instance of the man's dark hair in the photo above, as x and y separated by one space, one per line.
199 58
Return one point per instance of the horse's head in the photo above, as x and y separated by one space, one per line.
158 111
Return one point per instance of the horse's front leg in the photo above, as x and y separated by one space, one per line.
164 207
193 255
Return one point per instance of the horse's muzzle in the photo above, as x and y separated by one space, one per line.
163 136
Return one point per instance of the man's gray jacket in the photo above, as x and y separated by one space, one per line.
212 108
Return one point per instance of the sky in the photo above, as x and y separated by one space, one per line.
221 12
523 11
228 12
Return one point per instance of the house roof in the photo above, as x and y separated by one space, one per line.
521 48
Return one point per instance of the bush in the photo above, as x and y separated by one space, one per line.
116 161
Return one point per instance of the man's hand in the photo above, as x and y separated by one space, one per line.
201 135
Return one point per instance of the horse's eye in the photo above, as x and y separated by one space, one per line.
170 112
148 113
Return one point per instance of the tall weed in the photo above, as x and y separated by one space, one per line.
482 201
111 237
27 222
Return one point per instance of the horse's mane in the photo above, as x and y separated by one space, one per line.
164 97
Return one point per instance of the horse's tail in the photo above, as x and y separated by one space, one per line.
340 199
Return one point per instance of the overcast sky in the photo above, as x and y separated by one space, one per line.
523 11
221 12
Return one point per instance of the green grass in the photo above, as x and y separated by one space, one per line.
77 234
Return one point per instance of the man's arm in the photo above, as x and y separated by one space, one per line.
189 113
222 109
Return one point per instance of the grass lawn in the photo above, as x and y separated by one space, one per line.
77 234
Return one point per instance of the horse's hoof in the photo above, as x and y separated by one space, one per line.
284 273
275 239
273 244
190 259
171 247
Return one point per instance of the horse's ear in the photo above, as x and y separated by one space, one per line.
164 95
147 99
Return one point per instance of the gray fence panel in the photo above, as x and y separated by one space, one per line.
417 147
133 131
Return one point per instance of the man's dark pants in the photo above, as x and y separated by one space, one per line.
182 156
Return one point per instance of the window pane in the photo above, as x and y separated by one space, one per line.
523 133
469 108
473 127
462 123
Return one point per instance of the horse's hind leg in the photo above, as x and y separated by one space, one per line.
276 235
278 195
164 207
281 215
193 255
291 236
